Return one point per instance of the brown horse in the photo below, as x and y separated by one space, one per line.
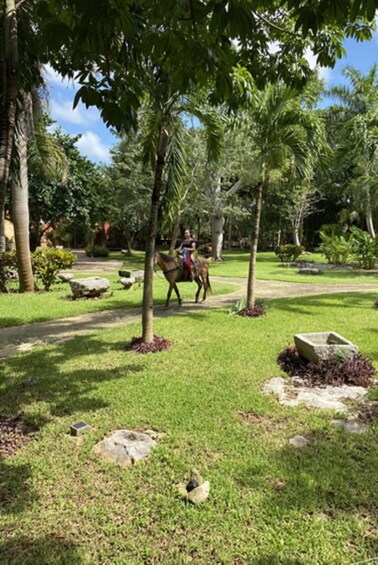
175 272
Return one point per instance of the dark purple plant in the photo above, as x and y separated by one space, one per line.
159 344
255 312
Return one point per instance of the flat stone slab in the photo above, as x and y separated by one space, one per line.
321 345
138 276
65 277
125 447
89 288
351 426
299 442
127 282
328 397
309 271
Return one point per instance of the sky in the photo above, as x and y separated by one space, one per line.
96 140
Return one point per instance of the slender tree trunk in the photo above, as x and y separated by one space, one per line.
370 223
147 308
20 201
229 236
217 236
251 288
174 236
296 239
8 108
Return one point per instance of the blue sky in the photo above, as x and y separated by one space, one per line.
97 140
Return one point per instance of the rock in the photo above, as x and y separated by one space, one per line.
321 345
351 426
66 277
125 447
127 283
90 288
138 276
299 442
309 271
196 494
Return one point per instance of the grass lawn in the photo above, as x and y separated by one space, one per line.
270 268
269 503
16 309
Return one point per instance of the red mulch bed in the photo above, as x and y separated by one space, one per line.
159 344
255 312
14 433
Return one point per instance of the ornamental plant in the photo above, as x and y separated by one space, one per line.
364 247
47 263
8 266
336 248
97 251
289 252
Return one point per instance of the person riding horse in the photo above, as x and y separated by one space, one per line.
187 247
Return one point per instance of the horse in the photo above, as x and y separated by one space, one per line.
175 272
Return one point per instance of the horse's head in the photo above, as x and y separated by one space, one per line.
156 258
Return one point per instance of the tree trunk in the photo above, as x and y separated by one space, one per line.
217 237
147 307
129 238
296 239
370 224
20 202
174 236
229 236
251 288
8 108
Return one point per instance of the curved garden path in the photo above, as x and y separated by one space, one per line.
18 339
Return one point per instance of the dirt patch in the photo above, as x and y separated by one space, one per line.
14 433
268 422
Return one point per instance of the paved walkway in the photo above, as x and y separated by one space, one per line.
24 338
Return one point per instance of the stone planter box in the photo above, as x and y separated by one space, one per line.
318 346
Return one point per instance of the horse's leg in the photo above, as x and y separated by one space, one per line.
175 287
171 286
199 284
205 287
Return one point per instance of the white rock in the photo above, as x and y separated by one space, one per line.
90 287
125 447
65 277
351 426
299 442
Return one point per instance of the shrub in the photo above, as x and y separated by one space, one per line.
255 312
97 251
47 263
364 247
335 370
159 344
336 248
289 252
8 266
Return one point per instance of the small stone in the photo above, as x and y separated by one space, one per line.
351 426
127 283
125 447
199 494
192 484
29 382
299 442
66 277
309 271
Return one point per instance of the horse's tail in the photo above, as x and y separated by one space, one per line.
208 285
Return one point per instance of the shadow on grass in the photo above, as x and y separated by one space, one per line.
335 473
67 392
337 301
15 492
42 551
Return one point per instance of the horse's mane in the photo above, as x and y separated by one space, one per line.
166 257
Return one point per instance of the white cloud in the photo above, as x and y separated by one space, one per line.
63 111
90 144
324 72
55 79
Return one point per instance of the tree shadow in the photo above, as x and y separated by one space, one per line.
15 491
46 550
300 304
66 391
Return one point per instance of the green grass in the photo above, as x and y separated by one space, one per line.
270 268
17 309
269 504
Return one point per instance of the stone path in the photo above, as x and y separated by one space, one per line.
19 339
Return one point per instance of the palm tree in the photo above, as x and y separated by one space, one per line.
38 152
163 142
283 134
358 115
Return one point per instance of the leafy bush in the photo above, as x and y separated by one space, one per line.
335 370
336 248
97 251
8 266
364 248
289 252
47 263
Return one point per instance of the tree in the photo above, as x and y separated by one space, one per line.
283 133
358 116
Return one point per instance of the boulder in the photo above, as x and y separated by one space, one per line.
89 288
309 271
65 277
137 275
127 283
125 447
